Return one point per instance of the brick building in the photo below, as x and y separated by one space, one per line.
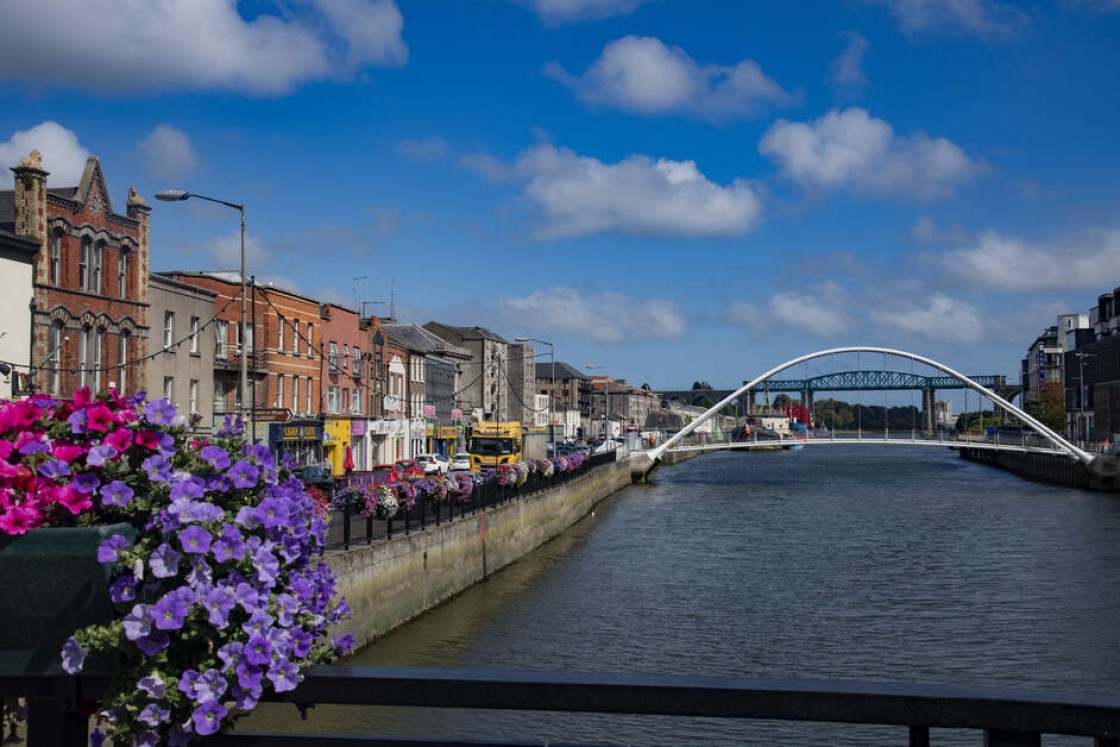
344 375
90 316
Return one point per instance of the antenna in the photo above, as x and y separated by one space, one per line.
362 279
392 299
368 303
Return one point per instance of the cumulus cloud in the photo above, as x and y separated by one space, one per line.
851 150
818 312
579 196
431 148
847 69
487 166
640 74
603 317
987 19
999 262
167 153
556 12
153 45
938 318
63 156
225 251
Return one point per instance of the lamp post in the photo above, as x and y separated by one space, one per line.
178 195
551 386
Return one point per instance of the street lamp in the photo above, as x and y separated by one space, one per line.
178 195
606 398
551 386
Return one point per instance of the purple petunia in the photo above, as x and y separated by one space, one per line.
153 685
52 469
244 474
138 622
157 468
195 540
73 656
169 612
86 482
216 456
100 454
258 650
160 412
109 551
284 676
272 512
116 494
229 546
207 718
164 561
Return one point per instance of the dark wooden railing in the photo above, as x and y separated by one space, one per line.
1000 718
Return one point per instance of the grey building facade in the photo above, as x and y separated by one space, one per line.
181 367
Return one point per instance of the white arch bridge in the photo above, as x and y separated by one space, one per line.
1044 439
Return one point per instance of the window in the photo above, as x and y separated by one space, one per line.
122 273
332 355
56 259
194 335
56 351
310 354
95 267
169 388
98 341
345 356
193 404
221 396
310 407
279 390
83 264
83 356
122 359
333 396
295 393
280 336
168 328
221 339
355 401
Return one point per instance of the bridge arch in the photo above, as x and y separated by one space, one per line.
1049 434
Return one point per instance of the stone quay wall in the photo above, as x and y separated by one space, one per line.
392 581
1055 469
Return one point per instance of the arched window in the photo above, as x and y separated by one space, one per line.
56 259
122 273
95 268
83 262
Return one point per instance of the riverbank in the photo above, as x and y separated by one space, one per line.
393 581
1055 469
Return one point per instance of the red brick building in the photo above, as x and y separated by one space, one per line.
90 323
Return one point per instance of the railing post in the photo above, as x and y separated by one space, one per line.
346 526
369 529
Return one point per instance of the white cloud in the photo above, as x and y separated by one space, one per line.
486 166
940 318
579 196
152 45
430 148
853 151
225 251
63 156
167 153
980 18
1080 261
926 230
818 313
847 69
642 75
569 11
603 317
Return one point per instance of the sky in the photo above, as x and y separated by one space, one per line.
668 190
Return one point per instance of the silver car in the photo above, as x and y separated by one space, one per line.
461 462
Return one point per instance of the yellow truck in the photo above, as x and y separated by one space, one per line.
504 442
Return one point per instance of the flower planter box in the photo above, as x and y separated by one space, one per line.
50 585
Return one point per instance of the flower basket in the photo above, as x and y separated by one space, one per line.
51 584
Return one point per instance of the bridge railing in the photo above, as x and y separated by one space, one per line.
999 718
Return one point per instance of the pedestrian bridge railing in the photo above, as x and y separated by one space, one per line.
998 718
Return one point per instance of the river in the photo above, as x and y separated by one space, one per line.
899 564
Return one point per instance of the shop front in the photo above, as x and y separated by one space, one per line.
336 444
360 443
302 440
387 440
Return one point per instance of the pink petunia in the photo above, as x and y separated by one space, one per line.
67 452
6 448
100 418
147 439
120 439
73 501
83 397
18 519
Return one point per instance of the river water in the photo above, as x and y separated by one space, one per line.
845 562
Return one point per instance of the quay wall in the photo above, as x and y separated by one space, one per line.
392 581
1055 469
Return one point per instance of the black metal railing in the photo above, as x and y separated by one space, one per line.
348 527
1000 718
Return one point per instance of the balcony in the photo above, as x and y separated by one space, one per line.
228 358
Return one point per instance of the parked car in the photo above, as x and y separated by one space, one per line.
318 476
384 473
409 469
432 464
460 462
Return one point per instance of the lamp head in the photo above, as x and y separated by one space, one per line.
172 195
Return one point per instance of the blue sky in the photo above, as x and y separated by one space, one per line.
671 189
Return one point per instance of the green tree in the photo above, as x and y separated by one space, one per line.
1050 406
701 385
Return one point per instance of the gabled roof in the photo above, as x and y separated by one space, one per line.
563 371
463 333
416 338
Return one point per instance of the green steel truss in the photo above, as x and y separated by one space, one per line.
857 381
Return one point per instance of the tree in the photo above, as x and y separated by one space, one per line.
1050 406
701 385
